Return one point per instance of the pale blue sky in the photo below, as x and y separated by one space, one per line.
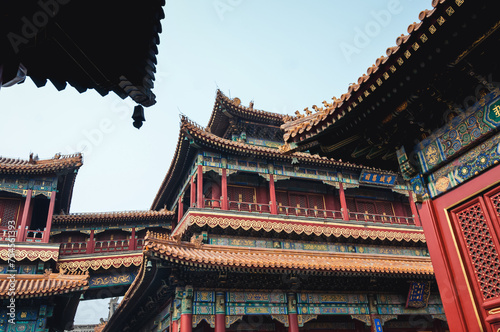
284 55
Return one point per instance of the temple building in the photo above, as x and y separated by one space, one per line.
35 294
431 110
51 258
266 241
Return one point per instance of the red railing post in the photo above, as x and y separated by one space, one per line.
21 233
46 234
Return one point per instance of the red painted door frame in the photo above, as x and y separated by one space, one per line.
461 300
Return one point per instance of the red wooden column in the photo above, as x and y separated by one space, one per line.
21 232
215 195
133 241
180 209
272 194
293 322
46 233
343 202
414 209
220 312
199 187
225 205
187 310
91 243
176 314
192 202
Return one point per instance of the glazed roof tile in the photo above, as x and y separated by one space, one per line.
34 166
234 108
113 216
303 127
228 145
211 256
191 131
38 285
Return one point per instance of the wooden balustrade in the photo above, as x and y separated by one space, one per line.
73 248
381 218
310 212
111 245
34 236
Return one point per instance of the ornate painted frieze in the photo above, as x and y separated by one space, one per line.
462 131
210 319
204 303
392 304
40 186
27 318
31 253
302 319
230 320
262 142
113 279
256 303
333 309
331 298
443 162
289 226
308 246
261 297
255 309
332 304
283 319
465 167
96 263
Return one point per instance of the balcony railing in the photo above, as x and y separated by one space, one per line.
381 218
30 235
34 236
140 244
310 212
5 235
213 203
100 246
73 248
238 206
250 207
111 245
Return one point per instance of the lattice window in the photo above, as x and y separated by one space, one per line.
282 200
481 249
351 205
385 208
9 210
316 203
495 200
299 201
407 210
366 207
241 195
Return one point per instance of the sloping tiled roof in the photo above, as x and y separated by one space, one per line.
87 54
216 256
302 127
218 121
33 166
192 131
38 285
241 148
113 216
